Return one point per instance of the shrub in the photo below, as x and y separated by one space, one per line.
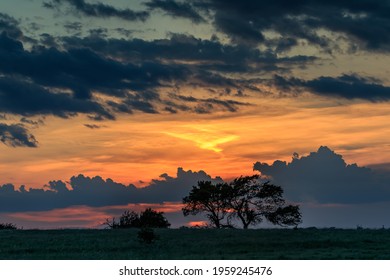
148 218
7 226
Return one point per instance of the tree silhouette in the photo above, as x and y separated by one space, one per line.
208 198
245 199
147 218
153 219
251 201
129 219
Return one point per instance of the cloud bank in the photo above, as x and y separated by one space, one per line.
324 177
97 192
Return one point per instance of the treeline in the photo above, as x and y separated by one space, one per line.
246 199
146 219
7 226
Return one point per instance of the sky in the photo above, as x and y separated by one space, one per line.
125 104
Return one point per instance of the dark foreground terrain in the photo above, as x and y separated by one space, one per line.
196 244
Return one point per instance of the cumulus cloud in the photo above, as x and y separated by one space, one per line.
97 192
324 177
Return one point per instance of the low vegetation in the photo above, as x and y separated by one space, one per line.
188 243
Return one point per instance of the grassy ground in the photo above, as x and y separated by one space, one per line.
196 244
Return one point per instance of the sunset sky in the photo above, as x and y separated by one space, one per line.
124 94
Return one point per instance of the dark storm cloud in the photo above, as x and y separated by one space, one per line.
48 80
208 54
240 31
98 10
203 63
324 177
25 98
345 86
349 87
176 9
98 192
363 23
82 70
211 56
16 135
10 25
48 40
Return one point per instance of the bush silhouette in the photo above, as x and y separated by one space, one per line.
7 226
148 218
153 219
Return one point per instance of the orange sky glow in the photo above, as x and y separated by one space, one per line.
130 151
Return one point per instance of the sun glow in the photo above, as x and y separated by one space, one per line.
204 138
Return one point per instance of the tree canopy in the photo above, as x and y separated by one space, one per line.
208 198
245 199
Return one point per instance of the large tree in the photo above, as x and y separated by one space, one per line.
245 199
252 201
208 198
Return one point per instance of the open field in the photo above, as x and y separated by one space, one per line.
197 244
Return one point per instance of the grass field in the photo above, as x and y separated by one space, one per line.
196 244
